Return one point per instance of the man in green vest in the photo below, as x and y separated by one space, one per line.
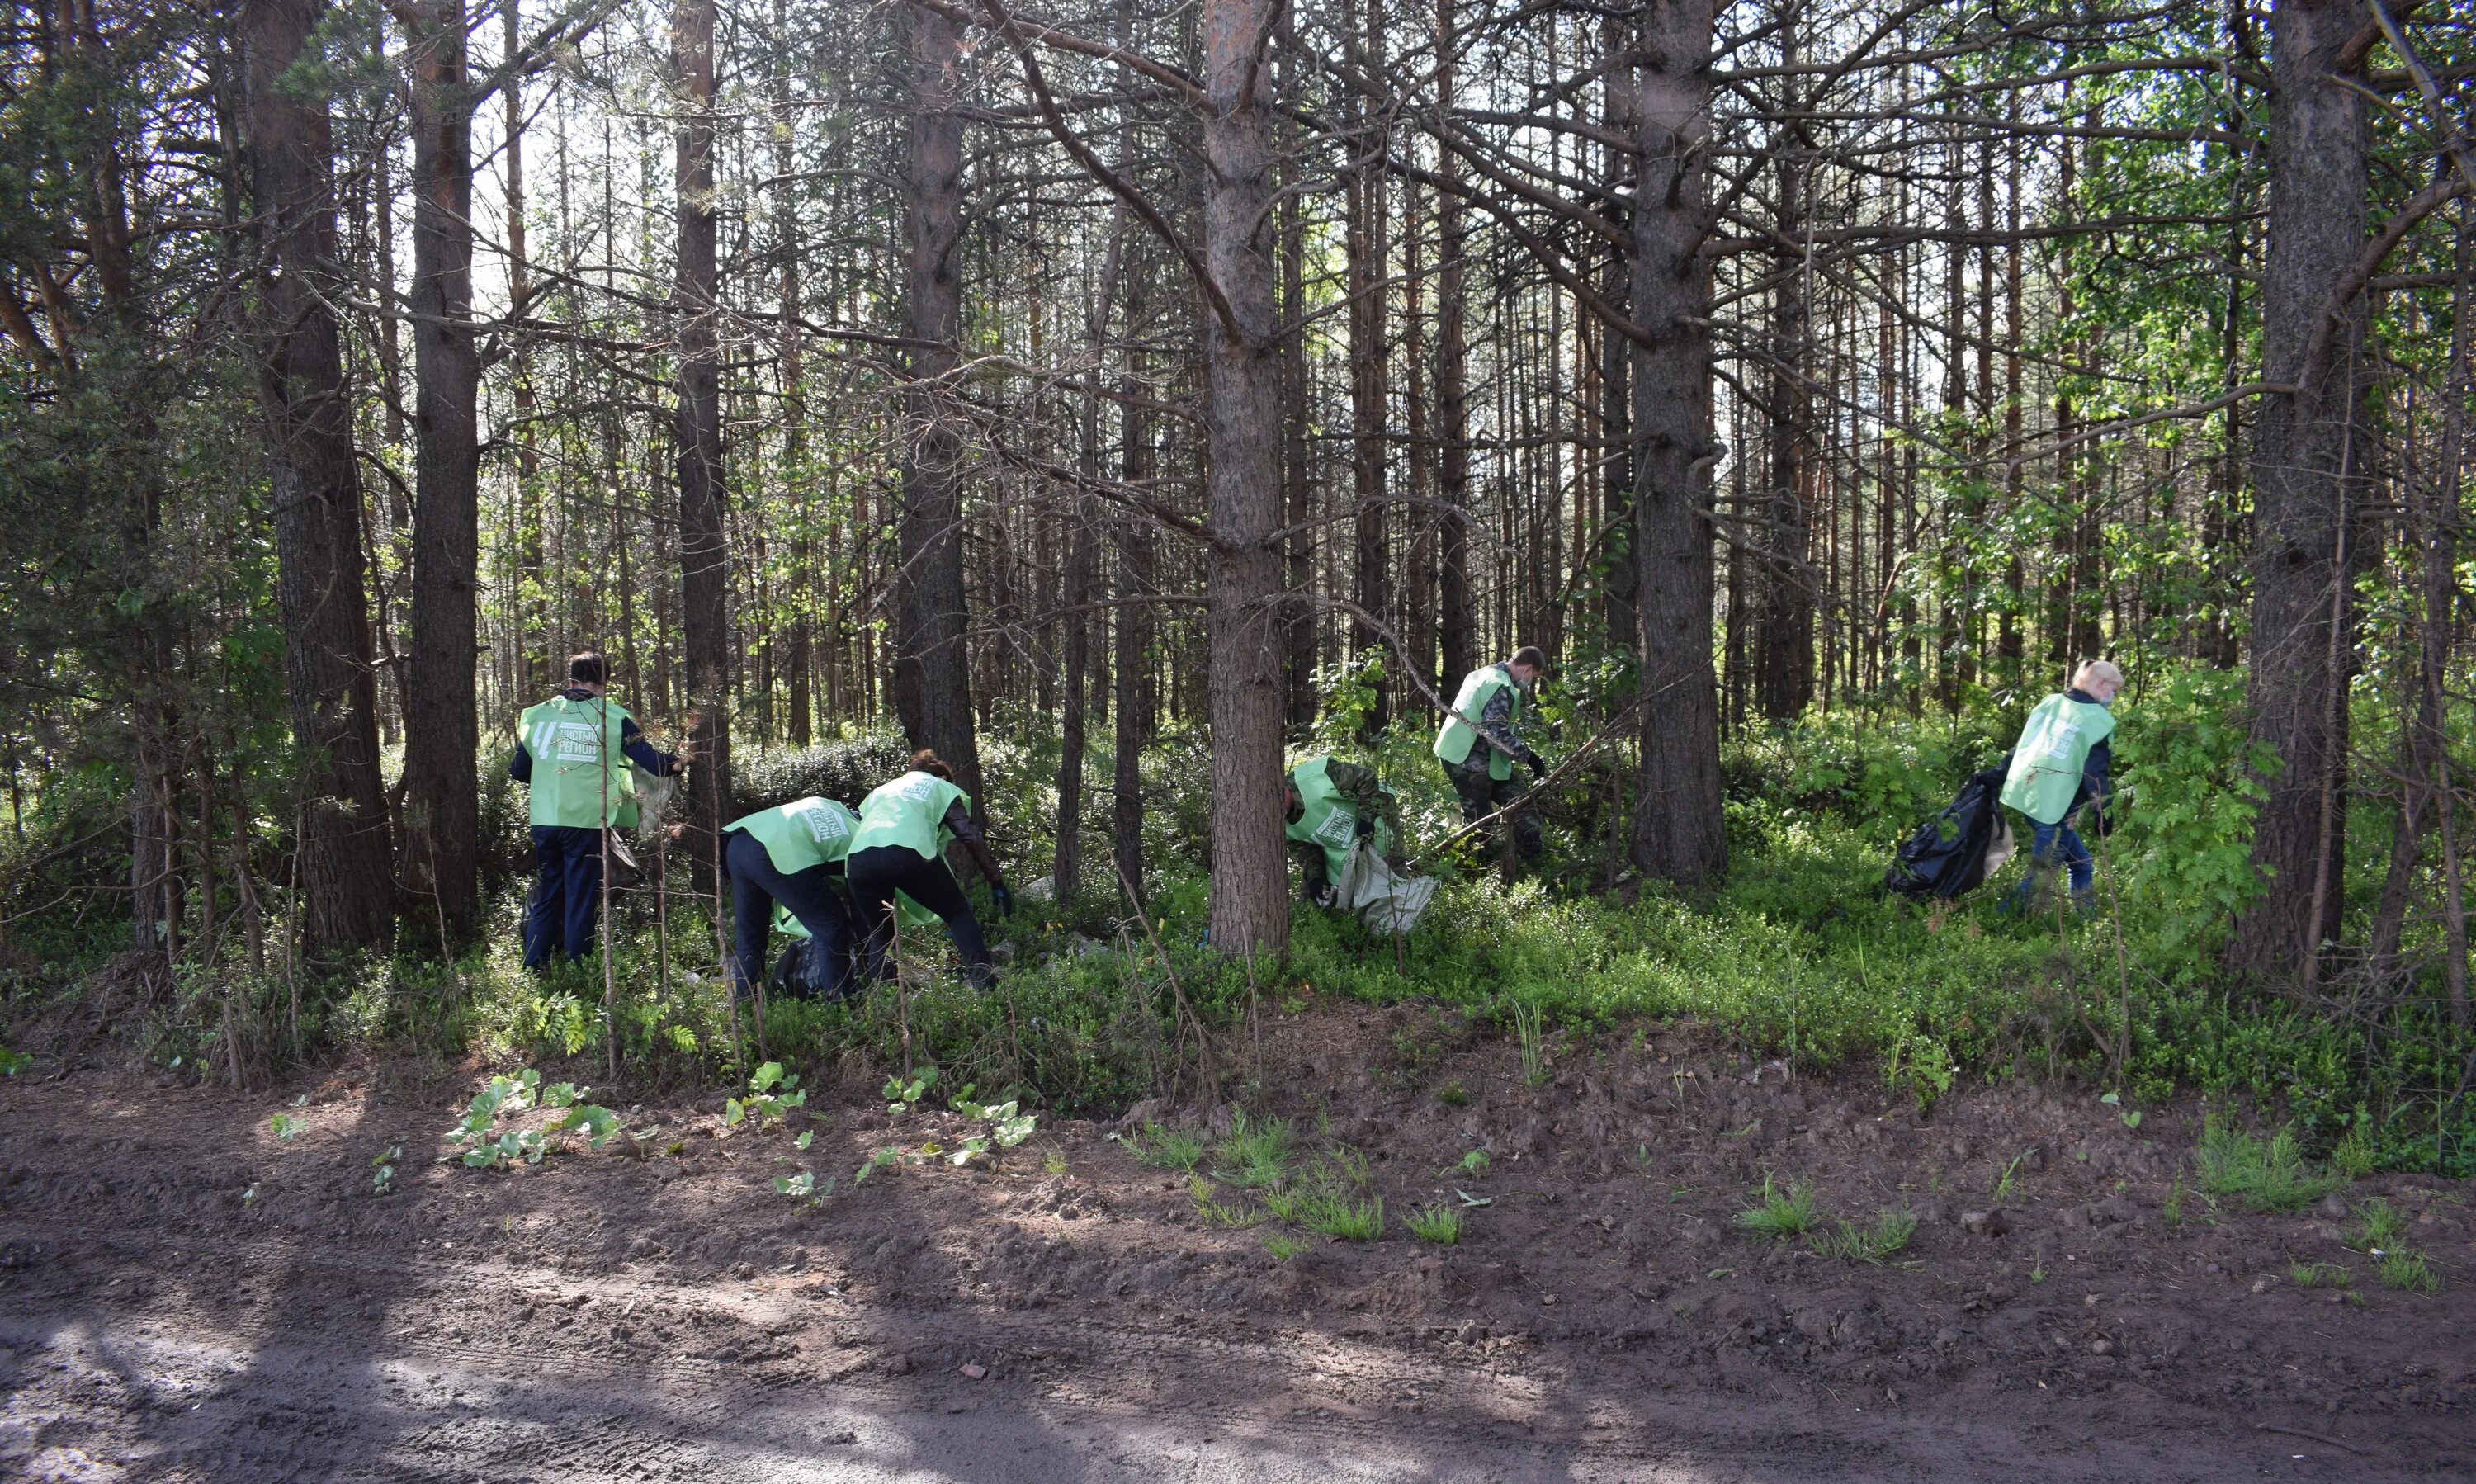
572 754
1478 745
2060 765
791 855
1333 805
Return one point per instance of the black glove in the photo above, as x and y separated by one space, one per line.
1538 765
1002 899
1320 892
1366 826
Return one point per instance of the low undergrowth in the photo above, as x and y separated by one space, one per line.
1795 955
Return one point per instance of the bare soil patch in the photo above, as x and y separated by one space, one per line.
184 1296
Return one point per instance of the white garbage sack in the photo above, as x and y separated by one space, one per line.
1387 903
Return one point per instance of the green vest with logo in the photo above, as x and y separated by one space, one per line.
1455 738
803 833
581 778
910 812
1326 818
2047 765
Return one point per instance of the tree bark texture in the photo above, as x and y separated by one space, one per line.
442 815
2307 476
1677 830
932 682
705 555
316 494
1242 418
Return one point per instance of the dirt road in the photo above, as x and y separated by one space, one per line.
184 1297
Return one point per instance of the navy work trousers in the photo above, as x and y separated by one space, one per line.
809 895
877 872
567 894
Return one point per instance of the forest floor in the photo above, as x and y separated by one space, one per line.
184 1296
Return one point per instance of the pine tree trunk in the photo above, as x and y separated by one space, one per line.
705 555
317 496
1678 831
1242 418
442 814
1364 279
1784 632
932 685
2307 474
1456 621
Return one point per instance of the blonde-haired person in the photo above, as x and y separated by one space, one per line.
2058 767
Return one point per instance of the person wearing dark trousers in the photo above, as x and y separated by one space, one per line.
573 755
905 828
2057 770
1478 745
792 856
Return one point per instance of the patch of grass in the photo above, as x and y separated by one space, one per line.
1438 1224
2408 1272
1256 1155
1890 1232
1283 1247
2355 1155
1168 1148
1472 1165
1341 1216
1451 1095
1780 1214
1052 1164
2379 1226
2173 1210
2318 1275
2008 1184
1529 1031
1209 1206
2267 1175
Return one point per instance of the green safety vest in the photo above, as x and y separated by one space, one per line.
803 833
2047 765
581 779
1455 738
1325 817
909 811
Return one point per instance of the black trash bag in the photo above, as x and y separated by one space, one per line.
1955 851
799 973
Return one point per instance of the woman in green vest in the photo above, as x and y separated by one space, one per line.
1478 745
905 828
790 856
2059 765
1333 805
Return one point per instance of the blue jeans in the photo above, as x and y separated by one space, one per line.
809 895
567 894
2048 843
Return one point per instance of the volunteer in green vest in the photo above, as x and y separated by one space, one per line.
790 855
1478 745
572 755
905 828
1333 805
2059 766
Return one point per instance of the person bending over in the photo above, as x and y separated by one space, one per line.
1333 805
905 828
792 855
1478 743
